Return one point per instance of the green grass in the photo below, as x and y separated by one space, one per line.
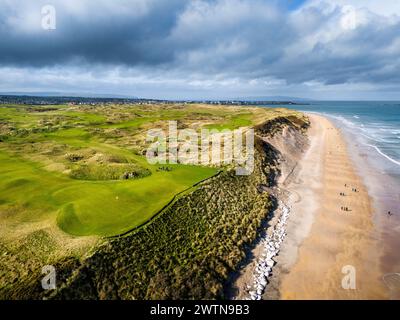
87 118
60 181
107 172
89 199
232 123
81 208
130 124
121 206
67 134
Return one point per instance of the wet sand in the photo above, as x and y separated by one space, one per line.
323 239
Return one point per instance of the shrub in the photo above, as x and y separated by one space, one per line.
74 157
108 172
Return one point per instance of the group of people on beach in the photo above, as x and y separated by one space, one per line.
355 190
352 189
343 195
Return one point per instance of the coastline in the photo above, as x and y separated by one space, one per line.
383 189
337 238
322 239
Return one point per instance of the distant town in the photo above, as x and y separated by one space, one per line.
56 100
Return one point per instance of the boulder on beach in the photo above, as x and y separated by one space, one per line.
270 263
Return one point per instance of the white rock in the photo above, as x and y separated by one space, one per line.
270 263
263 282
271 247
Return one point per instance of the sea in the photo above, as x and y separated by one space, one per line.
375 125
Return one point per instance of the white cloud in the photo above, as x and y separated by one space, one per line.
386 8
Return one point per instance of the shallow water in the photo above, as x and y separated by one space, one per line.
374 124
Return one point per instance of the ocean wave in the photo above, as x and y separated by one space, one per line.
371 138
373 133
361 129
344 120
384 154
386 139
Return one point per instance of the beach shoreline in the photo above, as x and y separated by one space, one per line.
332 227
338 239
384 191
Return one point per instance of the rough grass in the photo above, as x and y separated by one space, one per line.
108 172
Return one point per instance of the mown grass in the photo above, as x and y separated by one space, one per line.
232 122
102 208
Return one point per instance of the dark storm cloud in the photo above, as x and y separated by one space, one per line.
133 34
246 39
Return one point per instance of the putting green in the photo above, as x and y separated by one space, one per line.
81 208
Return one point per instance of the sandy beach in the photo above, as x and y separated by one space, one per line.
322 238
331 229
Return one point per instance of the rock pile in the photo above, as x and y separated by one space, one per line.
265 263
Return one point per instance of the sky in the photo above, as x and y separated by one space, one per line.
203 49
